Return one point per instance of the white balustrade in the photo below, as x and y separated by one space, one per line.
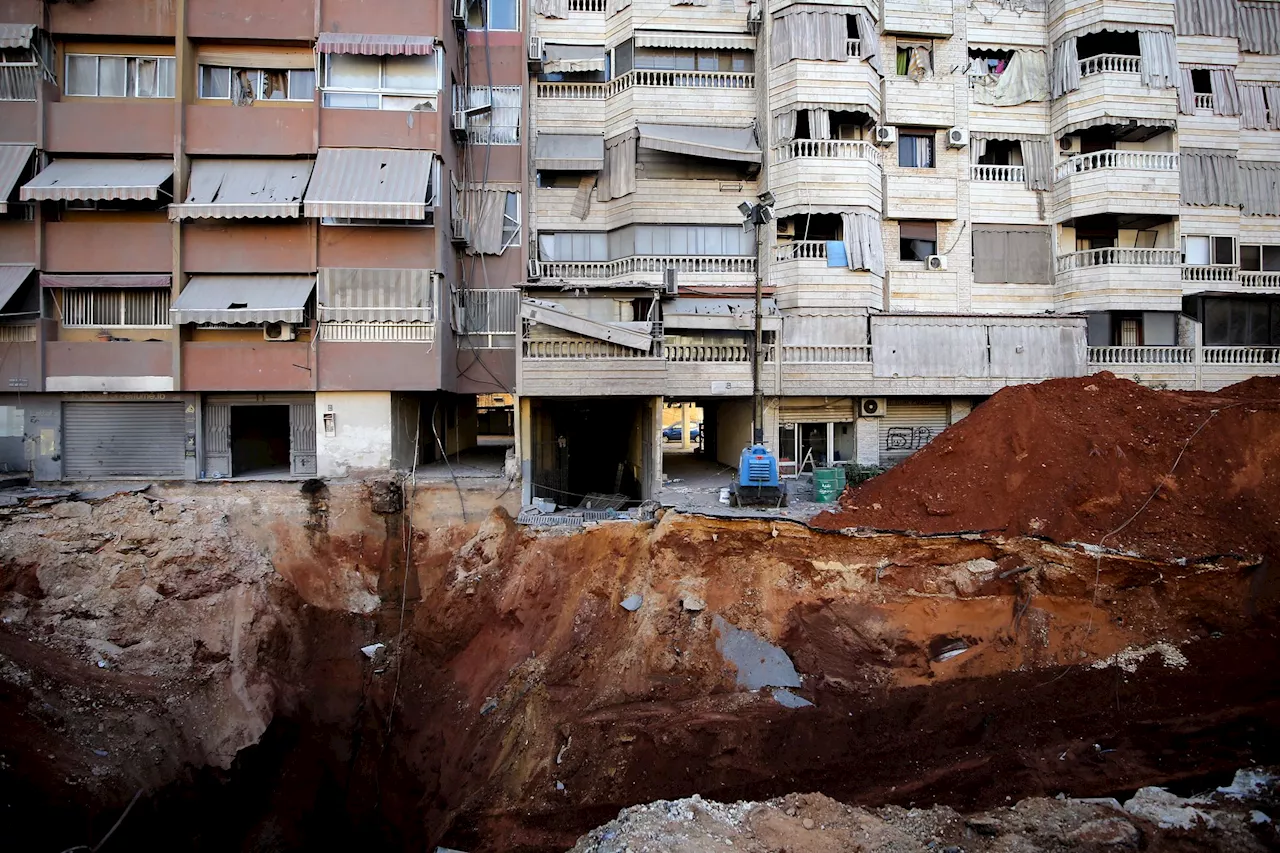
853 47
1204 102
586 5
1111 62
827 149
1128 257
1241 355
803 250
1206 273
713 353
835 354
1254 279
584 348
1161 161
647 78
1141 355
1003 174
731 264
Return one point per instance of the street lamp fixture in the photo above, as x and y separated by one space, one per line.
756 215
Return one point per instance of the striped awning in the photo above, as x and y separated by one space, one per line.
370 183
569 152
244 189
716 143
375 45
376 295
243 299
99 180
16 35
710 41
12 277
13 160
573 58
81 280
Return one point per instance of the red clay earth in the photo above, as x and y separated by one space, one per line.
1074 459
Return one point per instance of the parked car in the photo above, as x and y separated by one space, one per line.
672 433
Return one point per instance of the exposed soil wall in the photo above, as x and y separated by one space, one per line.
204 645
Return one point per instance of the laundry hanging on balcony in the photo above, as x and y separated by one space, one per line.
1259 187
809 32
1159 59
1206 18
618 177
1209 178
551 8
863 243
1259 27
1025 78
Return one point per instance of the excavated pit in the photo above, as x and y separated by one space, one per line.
203 645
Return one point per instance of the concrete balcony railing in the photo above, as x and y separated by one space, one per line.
1111 181
584 348
587 6
1086 258
827 354
1000 174
1111 85
1119 279
1111 159
714 353
826 149
1252 280
1129 356
835 172
733 269
1215 274
1242 355
1204 368
802 279
1204 102
814 250
1110 63
650 79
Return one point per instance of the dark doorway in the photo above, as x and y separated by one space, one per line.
590 447
259 440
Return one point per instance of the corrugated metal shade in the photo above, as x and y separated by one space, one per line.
713 41
16 35
724 314
376 295
99 180
235 189
370 183
150 282
243 299
13 159
375 45
12 277
569 152
573 58
716 143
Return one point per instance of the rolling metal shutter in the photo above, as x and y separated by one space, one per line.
116 439
908 425
816 410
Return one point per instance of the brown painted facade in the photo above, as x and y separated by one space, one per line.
62 238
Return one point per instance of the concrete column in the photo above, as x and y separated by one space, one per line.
867 433
353 432
524 447
684 426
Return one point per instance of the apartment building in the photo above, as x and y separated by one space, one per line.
961 196
256 239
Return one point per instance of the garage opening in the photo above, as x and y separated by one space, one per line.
592 452
259 440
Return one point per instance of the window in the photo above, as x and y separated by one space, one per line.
511 221
914 60
917 240
915 149
115 307
1200 81
1256 258
693 240
1199 251
500 124
493 15
96 76
660 59
404 83
18 74
573 246
245 85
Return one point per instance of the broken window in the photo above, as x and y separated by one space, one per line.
403 83
102 76
917 240
500 123
246 85
511 221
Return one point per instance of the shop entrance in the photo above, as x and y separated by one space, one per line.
259 440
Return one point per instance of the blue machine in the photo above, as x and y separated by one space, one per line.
758 481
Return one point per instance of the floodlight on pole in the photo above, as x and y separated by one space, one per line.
756 215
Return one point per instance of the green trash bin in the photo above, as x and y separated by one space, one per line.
828 484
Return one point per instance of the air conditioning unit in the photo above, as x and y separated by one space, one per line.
279 332
1069 145
460 11
535 270
671 281
871 407
535 52
935 262
884 135
957 137
787 229
458 231
459 121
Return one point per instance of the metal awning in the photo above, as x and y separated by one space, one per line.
244 189
711 41
13 159
370 183
150 282
99 180
243 299
631 335
716 143
376 295
572 58
736 315
375 45
569 152
13 36
12 277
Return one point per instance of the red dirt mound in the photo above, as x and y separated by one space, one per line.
1074 459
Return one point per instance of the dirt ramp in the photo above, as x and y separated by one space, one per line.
1074 459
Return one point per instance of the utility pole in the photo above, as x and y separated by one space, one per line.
757 215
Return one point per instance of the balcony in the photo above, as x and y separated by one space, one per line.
1068 15
1111 89
694 270
692 369
1138 182
801 279
827 369
133 19
240 365
999 195
586 23
825 173
136 366
1201 368
226 20
96 126
672 97
1119 279
1203 129
851 85
569 365
715 200
1259 282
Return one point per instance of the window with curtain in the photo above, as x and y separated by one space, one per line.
573 246
915 150
115 307
102 76
1017 254
673 59
501 124
917 240
243 85
493 15
1260 258
1203 251
399 83
914 60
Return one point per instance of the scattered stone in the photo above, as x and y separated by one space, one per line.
759 663
984 825
371 650
1107 834
787 699
1166 810
71 509
807 823
693 604
632 602
490 705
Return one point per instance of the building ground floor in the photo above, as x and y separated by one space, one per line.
190 436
